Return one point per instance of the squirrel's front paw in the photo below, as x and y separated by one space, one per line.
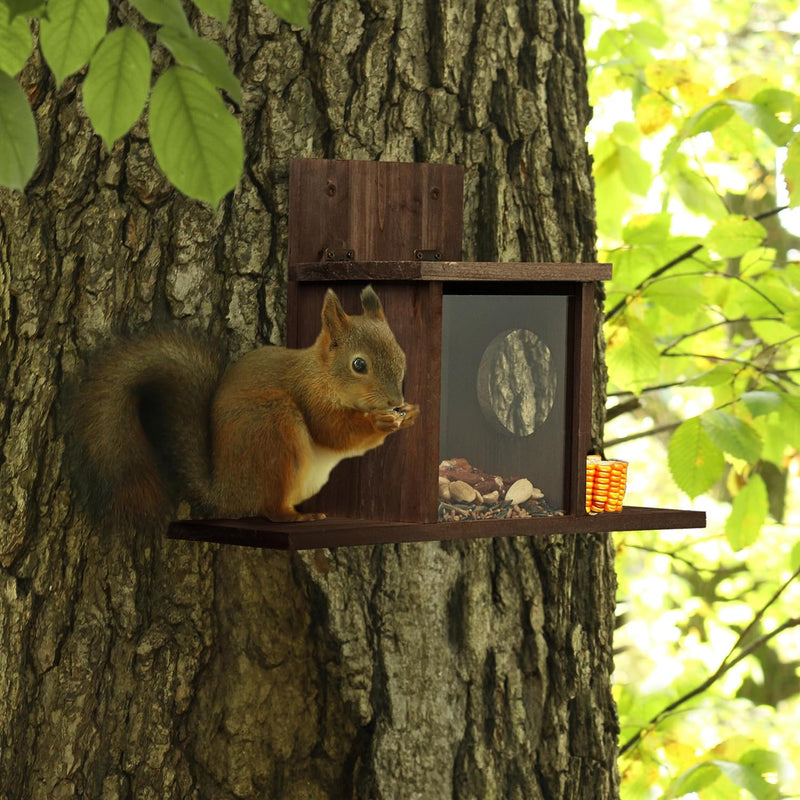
406 414
386 420
395 418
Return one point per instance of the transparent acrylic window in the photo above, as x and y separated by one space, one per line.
504 404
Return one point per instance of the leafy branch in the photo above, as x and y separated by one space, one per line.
667 427
686 561
684 148
674 262
711 326
737 653
196 138
727 276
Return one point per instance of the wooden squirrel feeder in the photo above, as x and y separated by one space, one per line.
499 358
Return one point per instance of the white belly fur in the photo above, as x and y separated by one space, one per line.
322 461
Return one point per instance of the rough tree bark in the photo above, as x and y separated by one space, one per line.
135 667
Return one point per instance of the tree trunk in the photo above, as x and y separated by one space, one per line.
136 667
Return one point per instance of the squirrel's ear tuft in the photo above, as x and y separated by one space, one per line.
371 303
334 320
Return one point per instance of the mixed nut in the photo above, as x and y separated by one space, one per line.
466 492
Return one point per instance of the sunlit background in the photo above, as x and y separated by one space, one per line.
690 602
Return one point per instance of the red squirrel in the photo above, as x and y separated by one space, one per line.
160 418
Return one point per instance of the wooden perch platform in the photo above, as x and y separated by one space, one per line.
253 532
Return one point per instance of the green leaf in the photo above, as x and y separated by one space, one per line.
19 139
649 33
762 118
610 44
196 141
70 32
793 320
219 9
24 8
697 193
695 778
632 356
115 90
776 100
702 775
734 235
678 294
653 10
716 376
708 118
775 441
653 113
293 11
764 761
16 43
671 151
771 331
790 419
794 558
748 513
633 264
647 229
636 173
791 171
626 133
162 12
732 435
759 402
695 462
757 261
749 779
612 199
206 57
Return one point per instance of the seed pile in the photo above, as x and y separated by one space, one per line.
466 492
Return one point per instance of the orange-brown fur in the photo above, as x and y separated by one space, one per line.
159 419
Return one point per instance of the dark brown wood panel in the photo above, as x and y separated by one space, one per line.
398 480
378 210
579 431
349 532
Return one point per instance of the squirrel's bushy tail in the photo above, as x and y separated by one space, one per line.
142 426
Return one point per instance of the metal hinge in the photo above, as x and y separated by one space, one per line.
329 254
427 255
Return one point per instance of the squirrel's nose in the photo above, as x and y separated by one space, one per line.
395 399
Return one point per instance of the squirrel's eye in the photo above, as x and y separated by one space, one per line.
359 365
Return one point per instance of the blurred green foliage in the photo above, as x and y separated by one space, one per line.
696 145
